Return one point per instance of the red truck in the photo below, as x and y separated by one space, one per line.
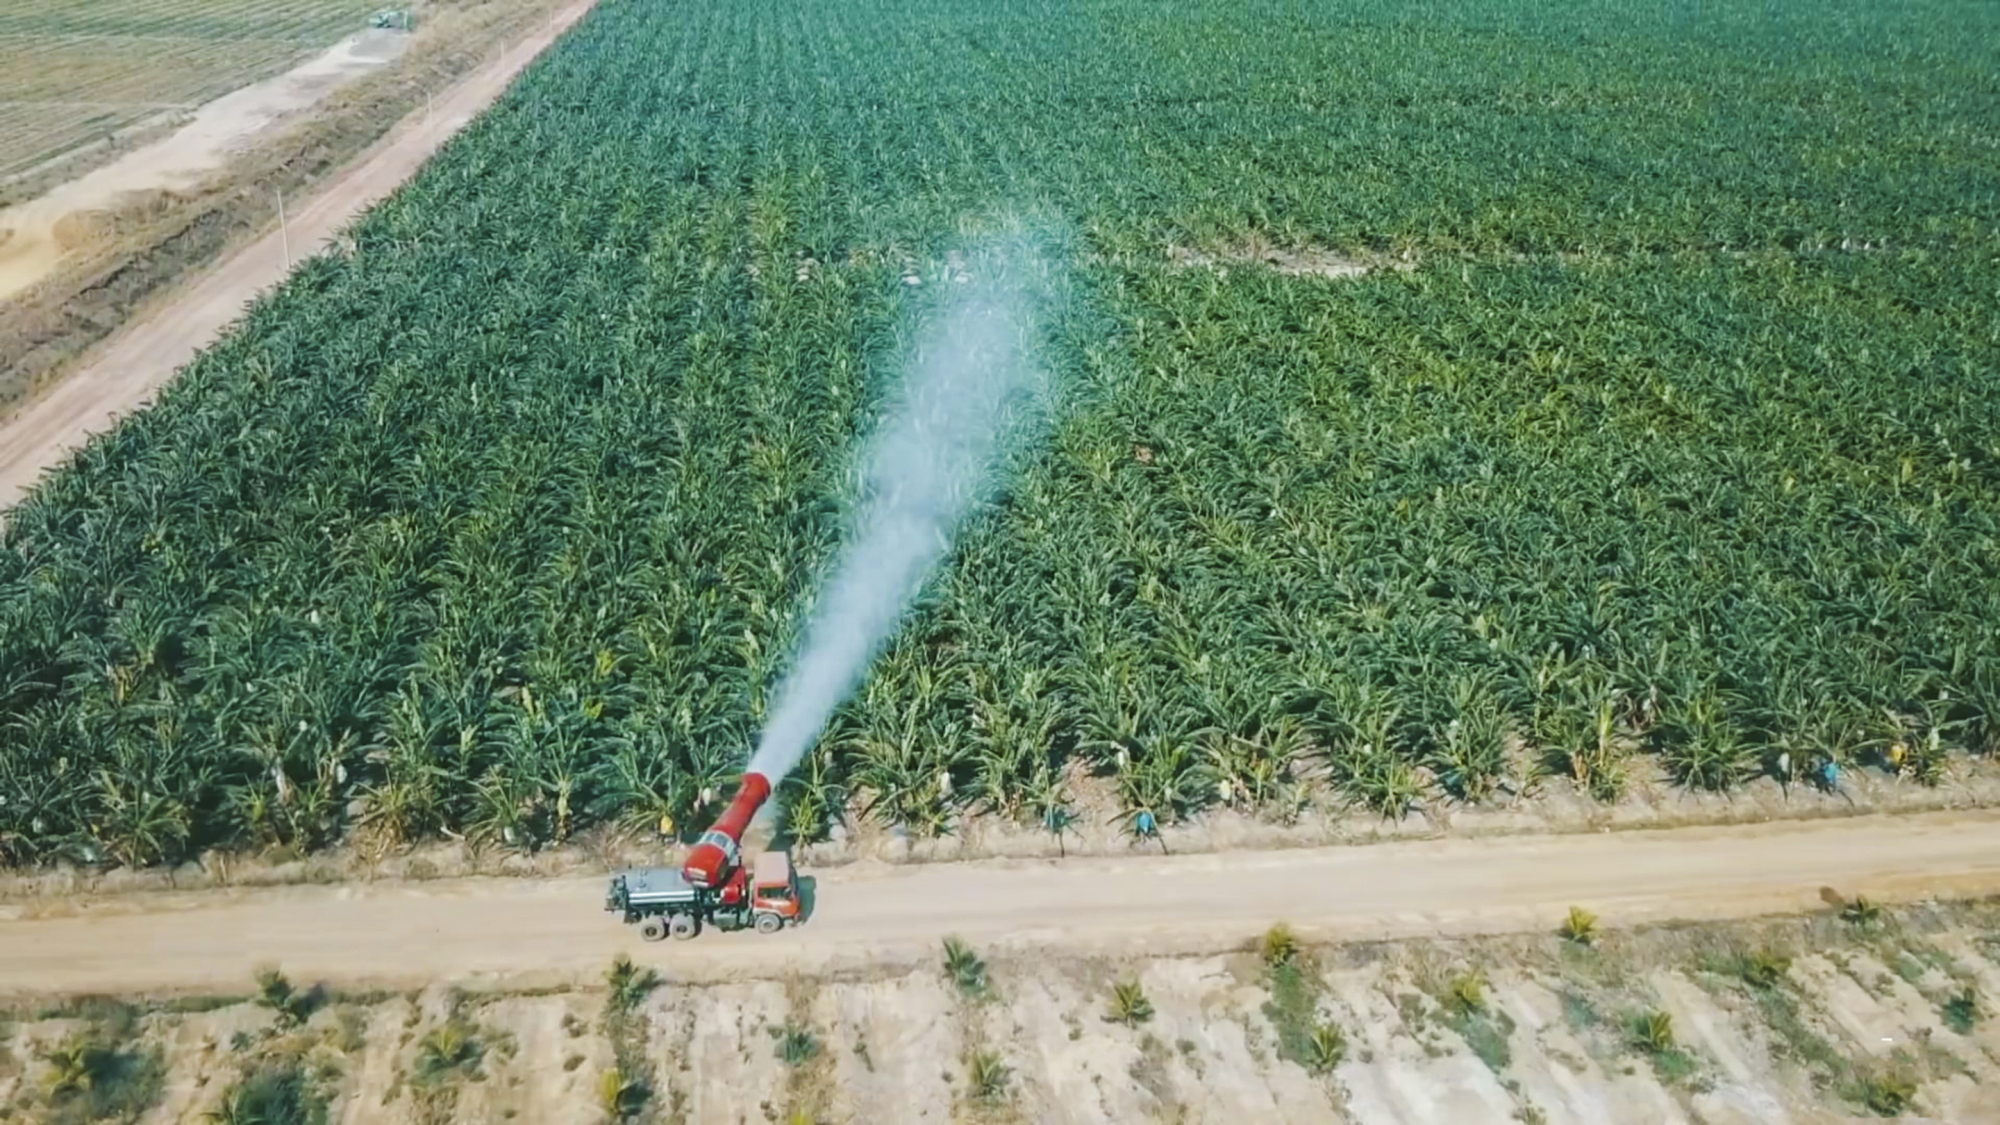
762 895
713 888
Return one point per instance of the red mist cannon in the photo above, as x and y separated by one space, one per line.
716 887
714 857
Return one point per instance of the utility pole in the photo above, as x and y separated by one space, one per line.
284 235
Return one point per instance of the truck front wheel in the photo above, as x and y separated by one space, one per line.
684 926
653 929
769 923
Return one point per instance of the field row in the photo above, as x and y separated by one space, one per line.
64 84
312 20
37 134
505 523
183 72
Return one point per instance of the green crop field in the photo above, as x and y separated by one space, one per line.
1675 432
73 71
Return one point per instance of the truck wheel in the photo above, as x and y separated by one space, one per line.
769 923
652 929
684 926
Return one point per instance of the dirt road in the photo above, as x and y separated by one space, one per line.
121 374
532 933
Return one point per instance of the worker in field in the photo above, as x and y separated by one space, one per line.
667 826
1826 776
1144 827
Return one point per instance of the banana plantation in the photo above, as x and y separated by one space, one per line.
1674 431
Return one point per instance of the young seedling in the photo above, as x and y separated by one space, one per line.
1580 927
965 968
1325 1048
1653 1033
796 1045
76 1064
987 1074
1129 1005
272 1095
1888 1094
275 992
1279 946
449 1048
1763 970
619 1095
1466 992
629 984
1962 1011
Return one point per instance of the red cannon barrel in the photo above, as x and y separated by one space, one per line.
714 857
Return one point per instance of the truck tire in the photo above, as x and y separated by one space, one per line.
653 929
684 926
769 923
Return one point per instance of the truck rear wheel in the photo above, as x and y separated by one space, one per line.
684 926
769 923
653 929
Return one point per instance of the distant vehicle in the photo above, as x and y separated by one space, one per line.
762 895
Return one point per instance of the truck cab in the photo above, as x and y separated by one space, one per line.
774 886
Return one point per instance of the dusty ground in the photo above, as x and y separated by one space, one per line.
1785 1021
43 231
532 933
128 257
1291 261
81 79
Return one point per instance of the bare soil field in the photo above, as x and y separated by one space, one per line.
1823 1018
331 137
68 220
78 74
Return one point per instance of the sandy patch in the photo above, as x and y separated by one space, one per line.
375 1077
1206 1021
1405 1072
1290 261
199 1057
733 1075
891 1042
1557 1070
1074 1067
545 1064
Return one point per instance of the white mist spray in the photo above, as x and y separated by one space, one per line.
972 396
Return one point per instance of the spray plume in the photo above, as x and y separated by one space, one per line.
972 395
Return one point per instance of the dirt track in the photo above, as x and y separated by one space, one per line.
530 933
121 374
